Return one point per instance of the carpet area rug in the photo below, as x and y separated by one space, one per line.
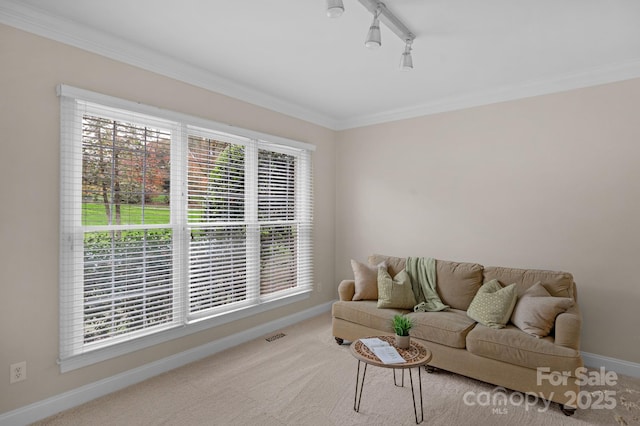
303 377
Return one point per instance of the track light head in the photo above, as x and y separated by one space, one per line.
374 40
406 61
335 8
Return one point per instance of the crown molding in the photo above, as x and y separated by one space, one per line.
36 21
562 83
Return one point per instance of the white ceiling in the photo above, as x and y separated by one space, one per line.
288 56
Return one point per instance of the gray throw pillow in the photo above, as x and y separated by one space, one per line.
366 280
536 310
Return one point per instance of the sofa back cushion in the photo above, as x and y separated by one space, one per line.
458 282
558 284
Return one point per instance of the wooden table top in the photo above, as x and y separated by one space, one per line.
415 356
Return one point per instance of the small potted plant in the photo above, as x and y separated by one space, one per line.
401 325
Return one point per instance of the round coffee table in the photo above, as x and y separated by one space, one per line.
415 356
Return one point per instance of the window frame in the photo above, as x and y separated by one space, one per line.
75 354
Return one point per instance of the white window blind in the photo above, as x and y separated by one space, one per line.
284 220
219 240
165 222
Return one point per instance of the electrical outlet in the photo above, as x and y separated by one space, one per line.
18 372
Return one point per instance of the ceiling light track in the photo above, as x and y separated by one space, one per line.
335 8
389 19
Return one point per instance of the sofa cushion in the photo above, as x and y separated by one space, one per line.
514 346
394 264
493 304
448 328
536 311
366 280
458 282
395 292
558 284
366 313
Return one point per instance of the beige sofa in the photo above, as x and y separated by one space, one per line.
506 357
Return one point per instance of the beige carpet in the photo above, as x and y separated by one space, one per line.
305 378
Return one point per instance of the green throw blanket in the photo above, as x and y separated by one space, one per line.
422 272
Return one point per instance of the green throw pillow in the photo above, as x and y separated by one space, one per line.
395 292
493 304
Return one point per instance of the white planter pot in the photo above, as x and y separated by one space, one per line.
403 342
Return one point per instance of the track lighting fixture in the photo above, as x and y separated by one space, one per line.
406 62
335 8
374 40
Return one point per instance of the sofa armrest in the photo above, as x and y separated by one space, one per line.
567 328
346 290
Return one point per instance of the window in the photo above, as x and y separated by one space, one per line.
169 222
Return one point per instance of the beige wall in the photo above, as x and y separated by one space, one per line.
30 69
550 182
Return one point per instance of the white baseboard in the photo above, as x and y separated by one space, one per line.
620 366
64 401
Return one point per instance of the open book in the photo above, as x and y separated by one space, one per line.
383 350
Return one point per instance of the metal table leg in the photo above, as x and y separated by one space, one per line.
357 399
415 410
358 393
394 377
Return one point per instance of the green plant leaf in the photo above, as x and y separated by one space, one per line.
401 325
